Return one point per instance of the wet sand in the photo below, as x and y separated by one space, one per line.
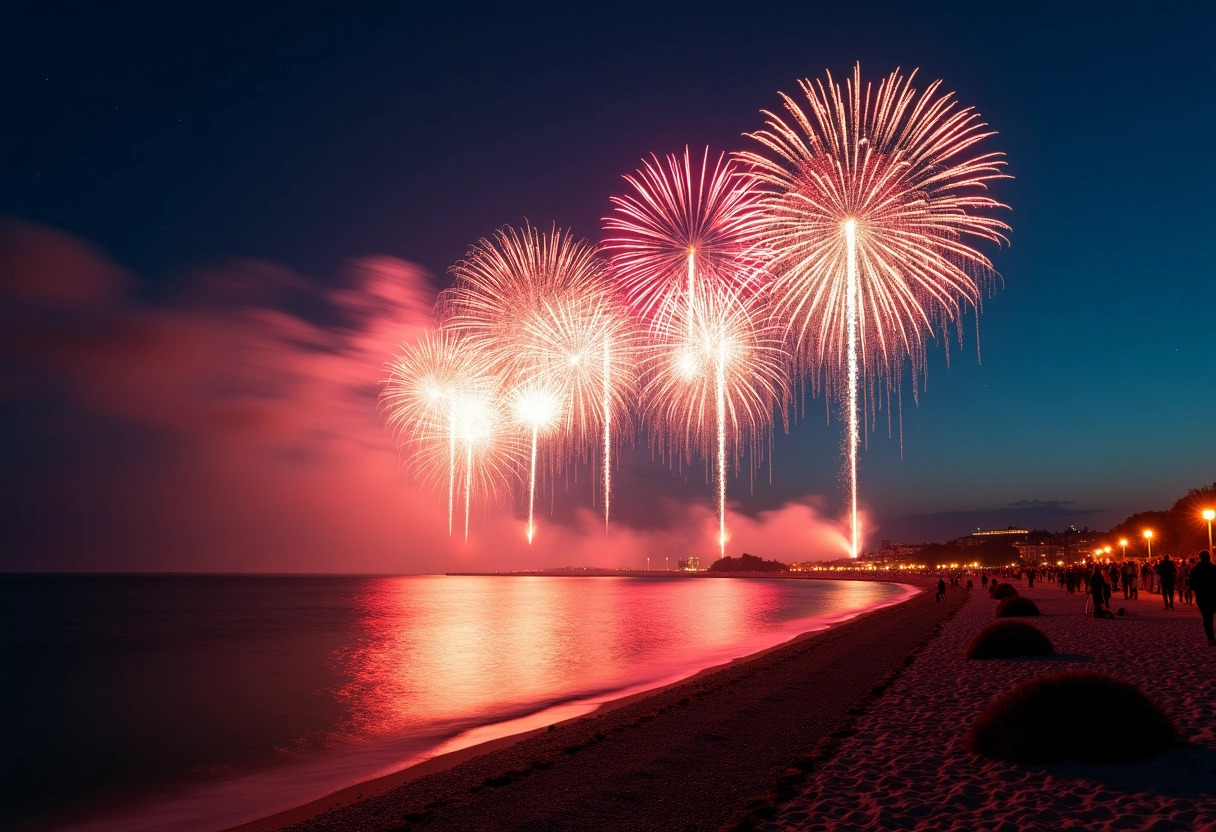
695 756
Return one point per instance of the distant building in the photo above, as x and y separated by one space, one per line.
690 565
981 537
1039 552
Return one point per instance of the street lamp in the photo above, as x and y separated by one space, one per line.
1209 515
1148 535
1123 543
1107 550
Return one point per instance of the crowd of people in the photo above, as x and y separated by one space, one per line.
1191 581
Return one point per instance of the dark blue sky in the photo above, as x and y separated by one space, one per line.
306 136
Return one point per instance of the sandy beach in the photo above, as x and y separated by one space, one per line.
692 756
906 768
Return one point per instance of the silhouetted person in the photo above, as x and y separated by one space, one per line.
1203 584
941 589
1098 589
1167 570
1184 581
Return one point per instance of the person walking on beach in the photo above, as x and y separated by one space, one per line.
1099 589
1167 570
1184 581
941 589
1203 584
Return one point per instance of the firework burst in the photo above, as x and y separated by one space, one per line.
873 198
680 247
684 229
542 307
440 401
711 382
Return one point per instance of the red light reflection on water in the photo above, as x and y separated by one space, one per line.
444 649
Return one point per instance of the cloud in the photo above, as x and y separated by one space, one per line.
236 428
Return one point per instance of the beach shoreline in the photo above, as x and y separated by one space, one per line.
447 760
445 789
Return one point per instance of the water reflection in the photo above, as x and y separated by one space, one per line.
438 649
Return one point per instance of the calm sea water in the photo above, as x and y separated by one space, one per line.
201 702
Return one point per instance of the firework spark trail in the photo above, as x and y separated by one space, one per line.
452 471
606 407
679 245
720 414
532 489
536 409
850 230
468 487
489 455
901 167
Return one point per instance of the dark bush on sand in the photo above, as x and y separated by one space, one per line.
1068 716
1004 591
1006 639
1016 606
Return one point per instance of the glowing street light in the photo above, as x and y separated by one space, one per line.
1123 543
1148 535
1209 515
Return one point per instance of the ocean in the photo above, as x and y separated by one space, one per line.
198 702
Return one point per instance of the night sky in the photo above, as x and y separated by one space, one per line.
217 224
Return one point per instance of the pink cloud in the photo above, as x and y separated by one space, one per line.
238 430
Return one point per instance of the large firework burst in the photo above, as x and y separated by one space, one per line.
873 200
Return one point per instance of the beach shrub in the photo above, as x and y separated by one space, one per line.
1068 716
1006 639
1003 591
1015 606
